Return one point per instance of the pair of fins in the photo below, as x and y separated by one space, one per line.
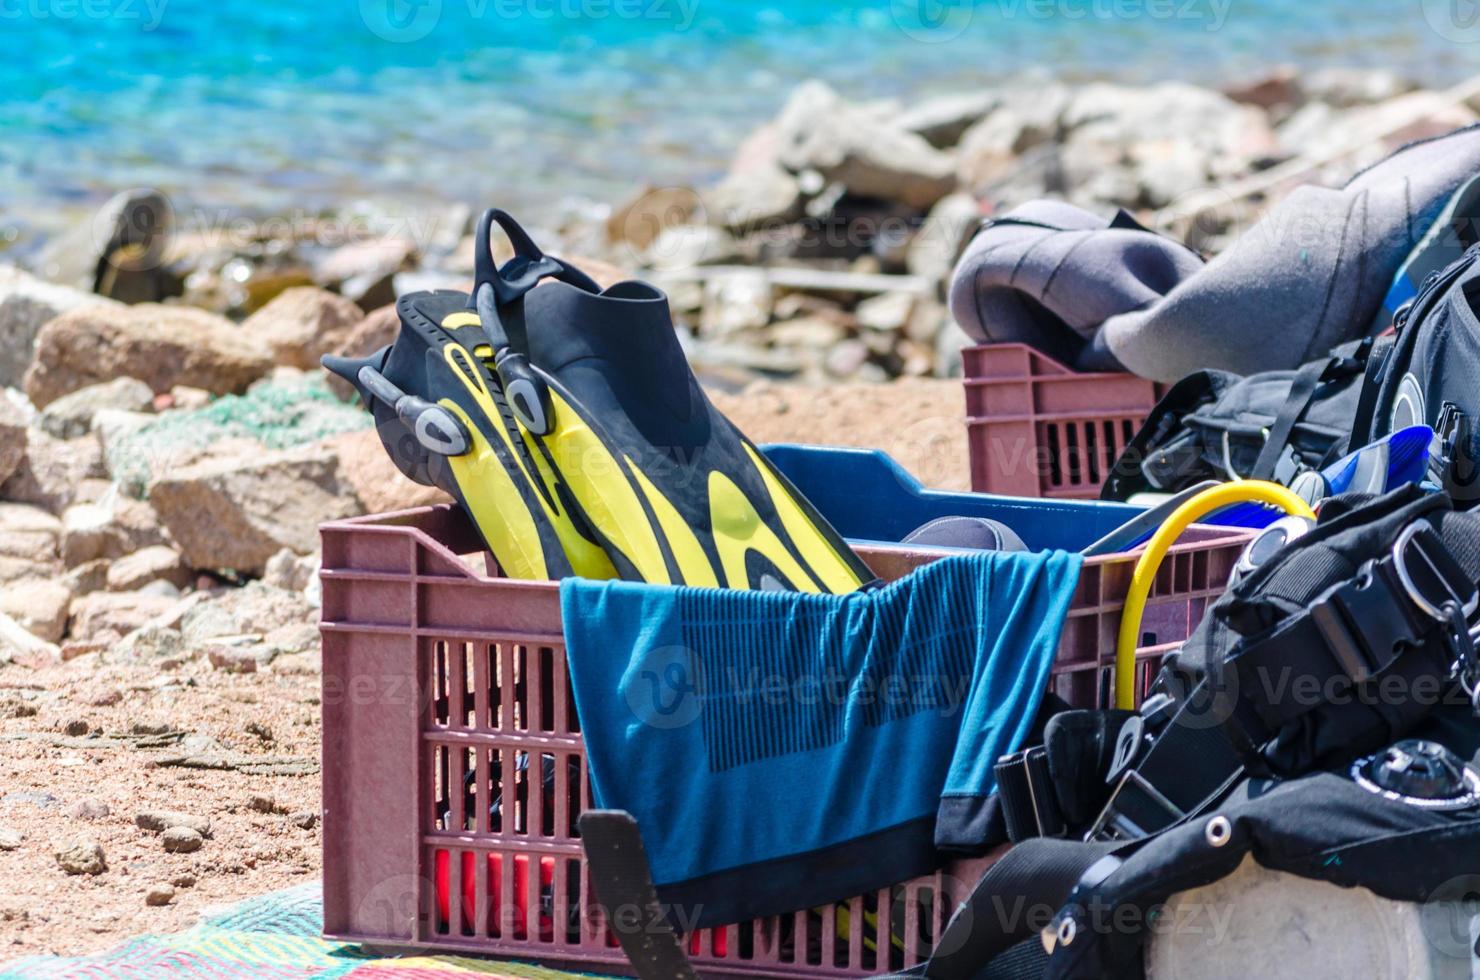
566 421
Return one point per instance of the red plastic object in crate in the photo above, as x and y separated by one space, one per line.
1036 428
439 680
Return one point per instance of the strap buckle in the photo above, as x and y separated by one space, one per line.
1367 621
1393 603
1430 576
1436 584
1390 605
1135 810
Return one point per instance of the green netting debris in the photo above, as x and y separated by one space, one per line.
280 412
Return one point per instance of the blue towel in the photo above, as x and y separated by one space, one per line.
782 750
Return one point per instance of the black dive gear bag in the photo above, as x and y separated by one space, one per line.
1277 425
1214 425
1427 372
1278 730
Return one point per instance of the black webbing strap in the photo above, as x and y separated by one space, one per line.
1013 901
1028 960
1362 423
1354 631
1029 799
1343 362
1189 766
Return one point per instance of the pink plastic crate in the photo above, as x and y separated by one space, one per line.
1036 428
438 678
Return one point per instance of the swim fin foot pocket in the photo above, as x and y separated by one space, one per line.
565 420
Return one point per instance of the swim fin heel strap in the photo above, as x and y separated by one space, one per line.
566 421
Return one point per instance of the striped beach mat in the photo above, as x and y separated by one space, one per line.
275 937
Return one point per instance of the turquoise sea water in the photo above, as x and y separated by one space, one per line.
278 104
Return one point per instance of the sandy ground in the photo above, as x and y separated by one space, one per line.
918 421
85 748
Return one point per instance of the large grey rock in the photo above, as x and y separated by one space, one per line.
1104 122
302 324
860 148
1166 170
150 643
152 564
886 312
238 513
110 528
993 149
19 644
162 346
56 473
257 609
297 574
40 605
12 437
109 616
755 198
29 539
943 119
26 303
71 416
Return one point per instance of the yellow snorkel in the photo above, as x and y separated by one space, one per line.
1200 506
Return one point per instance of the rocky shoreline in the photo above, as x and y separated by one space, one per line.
168 445
822 254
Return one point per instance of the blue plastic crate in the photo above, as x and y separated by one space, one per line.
870 498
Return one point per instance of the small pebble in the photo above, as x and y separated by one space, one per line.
181 840
186 880
76 728
264 804
81 856
10 839
158 895
89 810
260 730
162 820
233 660
106 699
305 819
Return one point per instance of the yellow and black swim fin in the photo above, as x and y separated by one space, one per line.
566 421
